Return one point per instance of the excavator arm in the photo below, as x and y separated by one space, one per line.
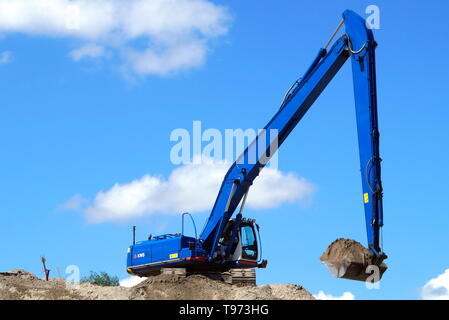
359 45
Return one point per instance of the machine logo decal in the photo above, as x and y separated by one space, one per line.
173 256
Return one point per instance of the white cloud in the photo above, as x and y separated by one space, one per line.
131 281
172 34
437 288
75 203
324 296
88 51
193 188
5 57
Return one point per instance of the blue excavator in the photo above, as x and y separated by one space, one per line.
230 248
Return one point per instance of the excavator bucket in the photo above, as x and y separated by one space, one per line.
348 259
353 270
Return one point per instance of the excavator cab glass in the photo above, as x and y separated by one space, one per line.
245 245
249 242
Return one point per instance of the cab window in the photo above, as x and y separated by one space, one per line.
249 243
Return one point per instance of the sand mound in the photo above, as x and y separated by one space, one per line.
199 287
22 285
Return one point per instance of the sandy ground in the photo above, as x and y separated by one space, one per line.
22 285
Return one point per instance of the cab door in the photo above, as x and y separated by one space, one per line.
249 243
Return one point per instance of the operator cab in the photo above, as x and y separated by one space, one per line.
245 246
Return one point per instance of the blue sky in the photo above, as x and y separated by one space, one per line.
76 127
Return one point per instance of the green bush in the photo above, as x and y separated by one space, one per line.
101 279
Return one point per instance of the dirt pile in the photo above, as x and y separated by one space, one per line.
22 285
346 249
348 259
199 287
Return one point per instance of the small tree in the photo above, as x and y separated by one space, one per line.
101 279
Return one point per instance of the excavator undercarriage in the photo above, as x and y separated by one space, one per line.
233 276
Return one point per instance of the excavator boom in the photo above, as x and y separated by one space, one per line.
359 45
